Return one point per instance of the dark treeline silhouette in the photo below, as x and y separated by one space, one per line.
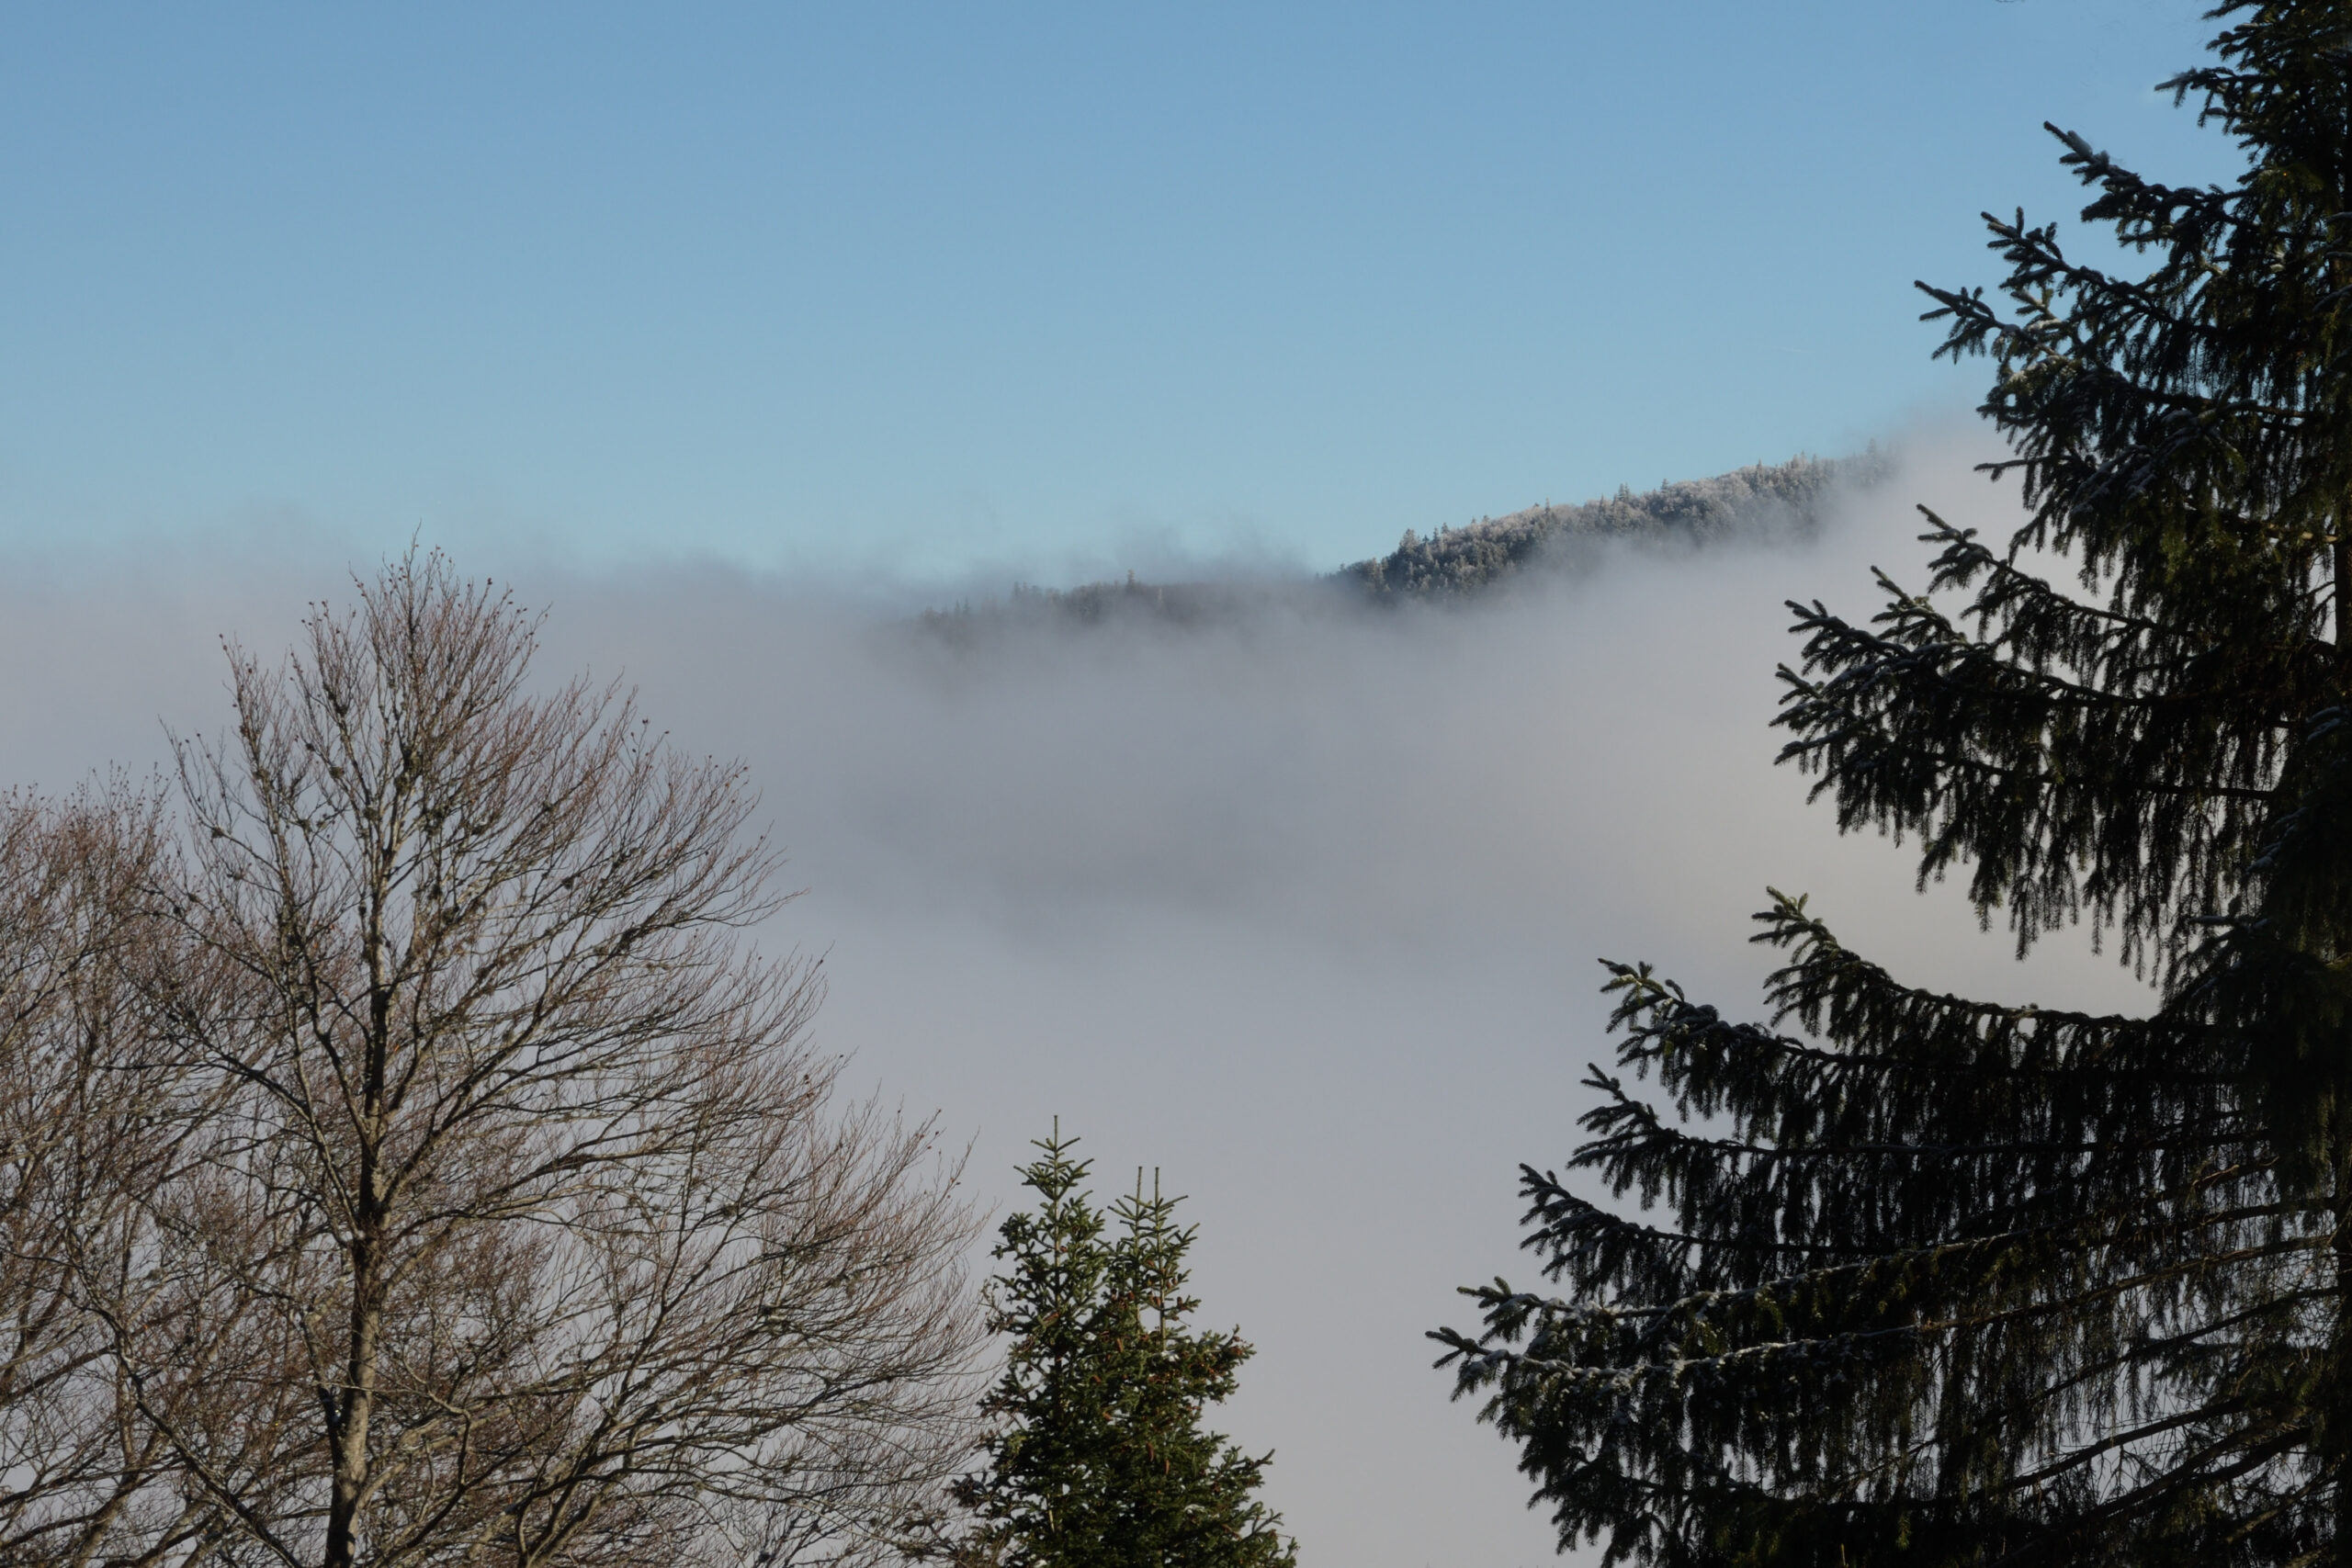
1762 502
1762 498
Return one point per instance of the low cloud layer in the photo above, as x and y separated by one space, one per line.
1300 907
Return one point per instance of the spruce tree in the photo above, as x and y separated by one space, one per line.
1098 1459
1922 1279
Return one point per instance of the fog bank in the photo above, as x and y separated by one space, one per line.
1300 907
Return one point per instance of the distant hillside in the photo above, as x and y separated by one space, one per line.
1092 604
1765 499
1761 498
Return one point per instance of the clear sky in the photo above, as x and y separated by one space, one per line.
949 289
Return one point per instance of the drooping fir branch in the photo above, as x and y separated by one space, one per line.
2022 1386
2081 759
1938 1258
2178 436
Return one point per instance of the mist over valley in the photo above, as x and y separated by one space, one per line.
1291 887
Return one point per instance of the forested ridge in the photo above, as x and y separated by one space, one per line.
1761 501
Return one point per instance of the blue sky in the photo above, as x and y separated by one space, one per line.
989 287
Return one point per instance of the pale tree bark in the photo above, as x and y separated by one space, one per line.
530 1232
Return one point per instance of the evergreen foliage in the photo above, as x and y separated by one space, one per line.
1098 1459
1763 500
1931 1280
1755 499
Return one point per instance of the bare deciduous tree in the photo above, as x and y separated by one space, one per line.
90 1129
524 1232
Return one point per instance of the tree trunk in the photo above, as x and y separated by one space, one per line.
349 1434
2335 1416
2342 603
